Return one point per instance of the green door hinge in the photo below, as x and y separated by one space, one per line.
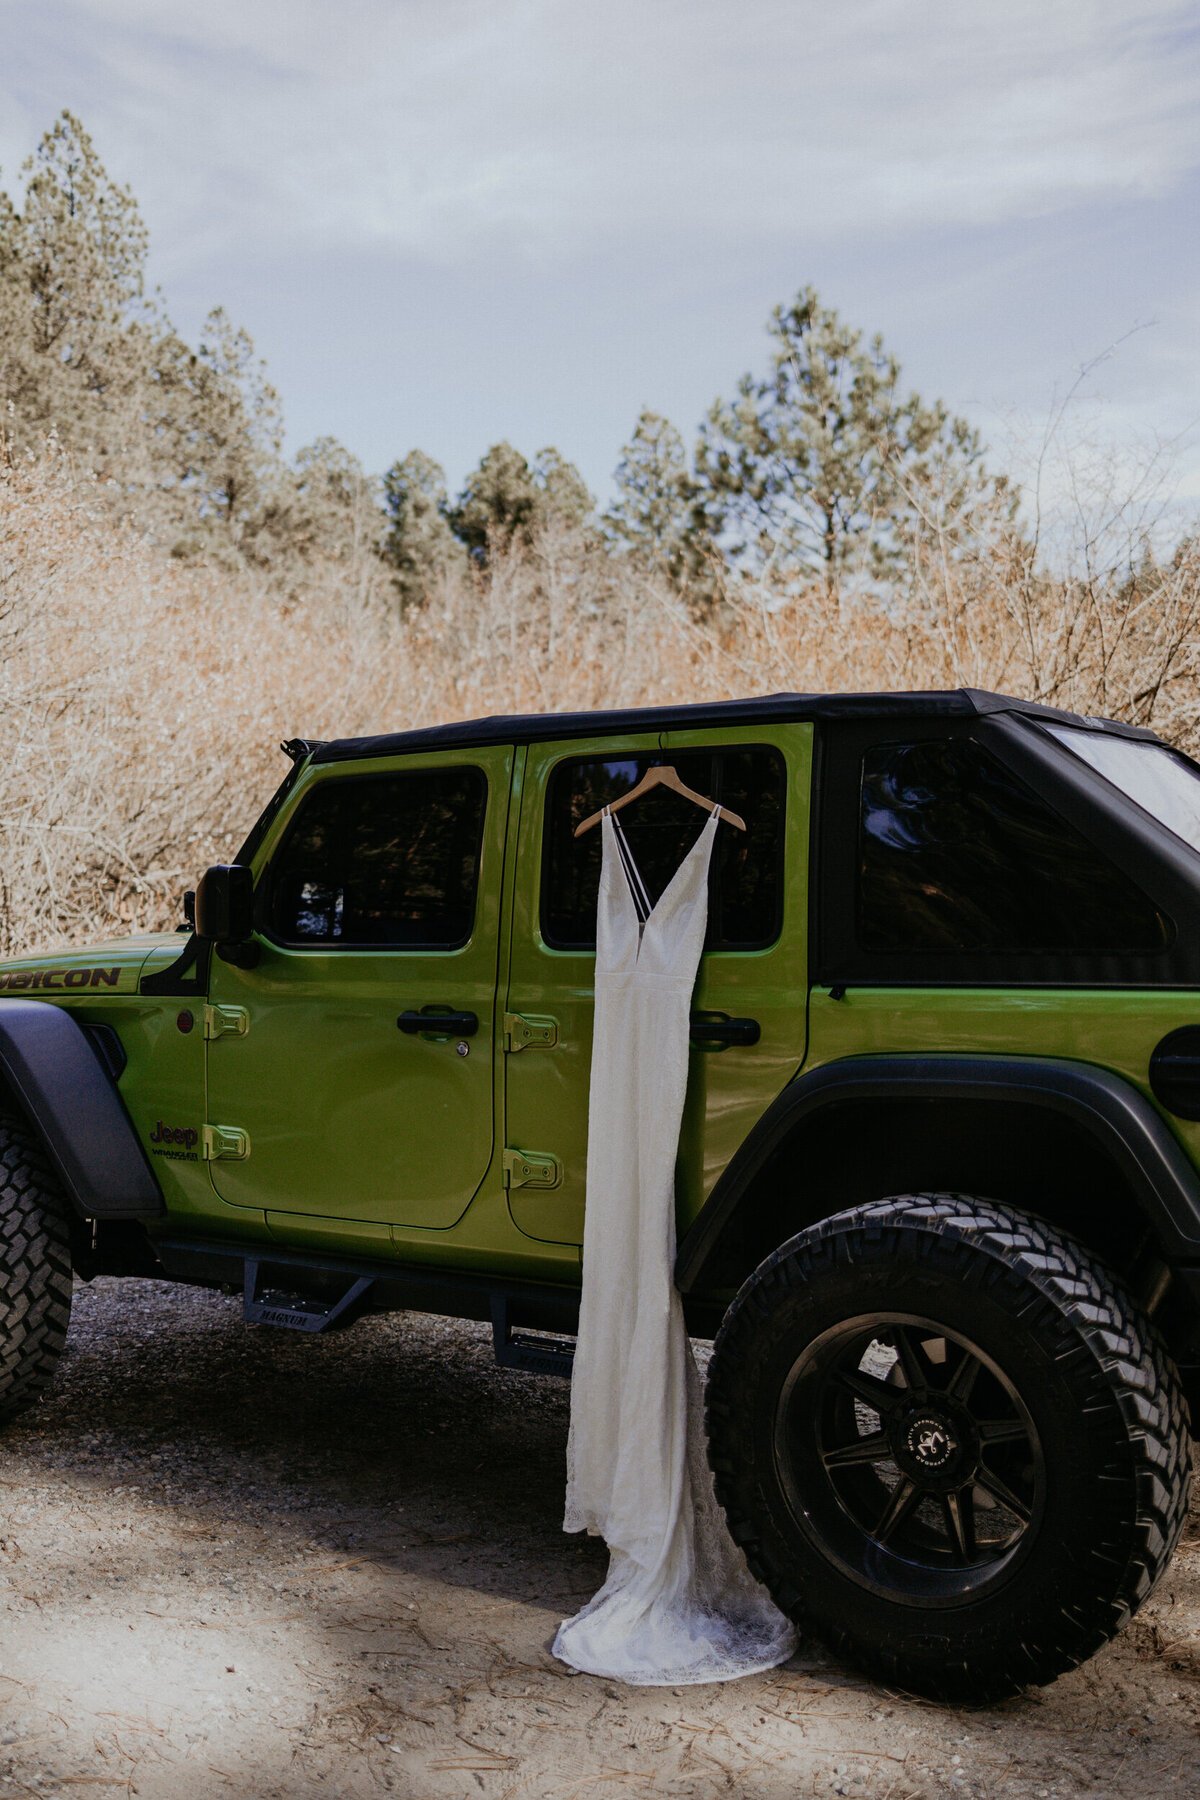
521 1033
226 1021
531 1169
224 1143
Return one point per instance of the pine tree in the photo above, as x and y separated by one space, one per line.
335 510
419 543
187 441
652 515
563 496
237 431
498 502
824 465
76 328
505 500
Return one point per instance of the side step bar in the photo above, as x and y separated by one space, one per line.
533 1324
296 1312
517 1350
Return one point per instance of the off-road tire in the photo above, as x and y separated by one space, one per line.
35 1269
1108 1441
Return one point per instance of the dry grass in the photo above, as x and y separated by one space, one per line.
143 699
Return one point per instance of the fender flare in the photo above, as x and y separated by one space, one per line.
1122 1121
72 1102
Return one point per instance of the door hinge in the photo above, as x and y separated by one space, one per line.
224 1143
226 1021
521 1033
531 1169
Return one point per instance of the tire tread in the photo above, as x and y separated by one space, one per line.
993 1244
35 1269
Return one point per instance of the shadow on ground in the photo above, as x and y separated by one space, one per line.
246 1562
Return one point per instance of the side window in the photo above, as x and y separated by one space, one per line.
382 861
957 854
746 881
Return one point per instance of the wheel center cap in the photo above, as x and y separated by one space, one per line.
930 1442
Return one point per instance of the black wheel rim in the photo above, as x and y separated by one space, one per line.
909 1458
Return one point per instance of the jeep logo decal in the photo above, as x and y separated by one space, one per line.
176 1141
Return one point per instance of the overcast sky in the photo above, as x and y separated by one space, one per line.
450 221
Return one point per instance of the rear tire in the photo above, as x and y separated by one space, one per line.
949 1443
35 1269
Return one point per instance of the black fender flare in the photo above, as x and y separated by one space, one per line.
1122 1121
70 1099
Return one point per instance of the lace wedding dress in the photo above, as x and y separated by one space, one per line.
679 1604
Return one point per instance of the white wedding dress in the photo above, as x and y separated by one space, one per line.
679 1604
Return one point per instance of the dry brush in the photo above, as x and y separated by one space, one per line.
144 698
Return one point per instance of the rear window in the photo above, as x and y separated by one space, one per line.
958 854
746 877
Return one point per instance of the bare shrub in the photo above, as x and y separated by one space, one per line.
142 702
143 697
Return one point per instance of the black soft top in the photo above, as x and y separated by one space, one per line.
528 728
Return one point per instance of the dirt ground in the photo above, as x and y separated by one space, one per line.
242 1562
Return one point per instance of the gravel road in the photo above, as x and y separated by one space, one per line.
241 1562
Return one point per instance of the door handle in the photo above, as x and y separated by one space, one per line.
719 1034
440 1024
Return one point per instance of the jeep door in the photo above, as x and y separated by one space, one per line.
751 989
377 896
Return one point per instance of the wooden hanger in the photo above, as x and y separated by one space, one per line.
661 776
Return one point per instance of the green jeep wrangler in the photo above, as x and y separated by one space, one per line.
939 1174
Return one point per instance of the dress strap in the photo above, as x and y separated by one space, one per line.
637 887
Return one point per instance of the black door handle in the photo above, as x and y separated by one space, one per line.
718 1034
442 1024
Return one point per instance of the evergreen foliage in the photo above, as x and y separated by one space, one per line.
504 499
659 516
498 502
419 544
825 465
562 493
652 513
188 442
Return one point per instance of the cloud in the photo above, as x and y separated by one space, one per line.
542 130
448 221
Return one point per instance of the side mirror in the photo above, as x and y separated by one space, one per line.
225 911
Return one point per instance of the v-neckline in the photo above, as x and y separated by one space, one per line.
629 870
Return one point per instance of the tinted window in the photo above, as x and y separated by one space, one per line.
955 853
382 860
746 879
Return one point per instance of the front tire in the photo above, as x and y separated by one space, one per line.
948 1442
35 1270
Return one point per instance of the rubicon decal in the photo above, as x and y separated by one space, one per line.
175 1141
59 978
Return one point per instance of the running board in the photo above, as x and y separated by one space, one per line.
297 1312
533 1323
517 1350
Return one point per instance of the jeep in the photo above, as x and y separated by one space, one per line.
938 1193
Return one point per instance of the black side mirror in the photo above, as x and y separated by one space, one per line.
225 912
